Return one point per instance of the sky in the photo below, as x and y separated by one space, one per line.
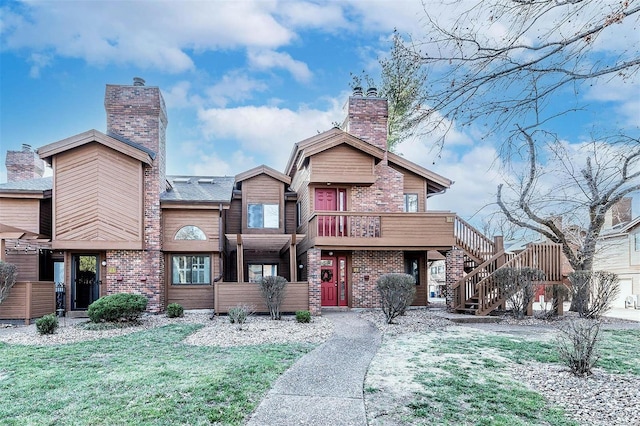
242 80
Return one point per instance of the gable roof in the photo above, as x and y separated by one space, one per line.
115 142
263 170
326 140
438 182
202 189
620 230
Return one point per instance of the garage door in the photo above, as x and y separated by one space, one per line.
625 290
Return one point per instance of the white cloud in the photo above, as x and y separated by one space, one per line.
327 17
234 86
268 59
267 132
213 165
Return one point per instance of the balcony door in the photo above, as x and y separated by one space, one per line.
331 200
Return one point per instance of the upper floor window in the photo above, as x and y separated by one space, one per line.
190 232
263 216
190 269
298 214
411 203
637 241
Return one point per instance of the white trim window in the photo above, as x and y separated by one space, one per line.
190 269
411 203
263 216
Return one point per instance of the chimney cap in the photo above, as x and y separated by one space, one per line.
137 81
26 147
372 92
357 91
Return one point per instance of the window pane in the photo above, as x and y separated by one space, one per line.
191 269
270 270
254 216
190 232
255 273
411 202
271 216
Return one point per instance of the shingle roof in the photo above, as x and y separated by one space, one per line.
199 188
39 184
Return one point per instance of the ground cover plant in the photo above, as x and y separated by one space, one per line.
144 378
462 377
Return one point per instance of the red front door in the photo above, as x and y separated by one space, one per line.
333 281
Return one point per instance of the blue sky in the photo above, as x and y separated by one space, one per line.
242 80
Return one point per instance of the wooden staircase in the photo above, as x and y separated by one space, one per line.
477 293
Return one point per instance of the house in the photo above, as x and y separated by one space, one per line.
618 251
342 213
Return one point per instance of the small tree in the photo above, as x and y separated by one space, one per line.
517 286
397 292
273 289
8 276
577 345
592 293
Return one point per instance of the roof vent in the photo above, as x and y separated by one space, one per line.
137 81
357 91
181 180
205 180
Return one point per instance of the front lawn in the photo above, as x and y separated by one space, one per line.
144 378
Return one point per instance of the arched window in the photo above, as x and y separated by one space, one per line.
190 232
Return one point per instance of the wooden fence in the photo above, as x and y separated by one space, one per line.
28 300
230 294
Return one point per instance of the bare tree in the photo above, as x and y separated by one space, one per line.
8 277
581 197
498 63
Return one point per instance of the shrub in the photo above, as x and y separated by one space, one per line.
48 324
517 286
117 307
303 316
239 314
272 289
593 293
577 345
8 276
175 310
396 292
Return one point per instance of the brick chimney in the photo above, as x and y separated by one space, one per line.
367 117
23 165
620 213
138 113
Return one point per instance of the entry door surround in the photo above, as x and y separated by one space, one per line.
333 281
85 288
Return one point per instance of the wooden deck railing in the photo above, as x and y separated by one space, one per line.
472 241
480 289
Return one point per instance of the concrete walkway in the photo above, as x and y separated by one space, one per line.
325 387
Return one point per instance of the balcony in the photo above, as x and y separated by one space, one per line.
352 230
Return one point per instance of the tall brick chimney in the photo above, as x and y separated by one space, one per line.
23 165
367 117
620 213
138 113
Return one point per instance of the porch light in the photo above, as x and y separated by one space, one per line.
104 263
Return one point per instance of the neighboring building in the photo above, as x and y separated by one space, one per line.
344 212
619 251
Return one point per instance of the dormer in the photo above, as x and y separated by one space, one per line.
262 194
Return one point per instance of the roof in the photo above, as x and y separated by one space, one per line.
440 182
263 170
111 140
31 186
203 189
621 229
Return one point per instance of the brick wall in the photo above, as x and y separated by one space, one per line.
371 264
367 119
385 195
313 277
454 267
23 165
138 114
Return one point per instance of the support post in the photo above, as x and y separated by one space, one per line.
240 260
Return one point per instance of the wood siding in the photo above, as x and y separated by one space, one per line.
207 220
290 217
342 164
28 300
414 184
300 184
233 217
21 213
191 296
97 199
26 264
262 189
228 295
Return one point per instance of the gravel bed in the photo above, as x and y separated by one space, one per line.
216 332
602 399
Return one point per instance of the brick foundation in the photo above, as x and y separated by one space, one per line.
454 267
313 277
372 264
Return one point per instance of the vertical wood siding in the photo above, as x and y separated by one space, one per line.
97 195
262 189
